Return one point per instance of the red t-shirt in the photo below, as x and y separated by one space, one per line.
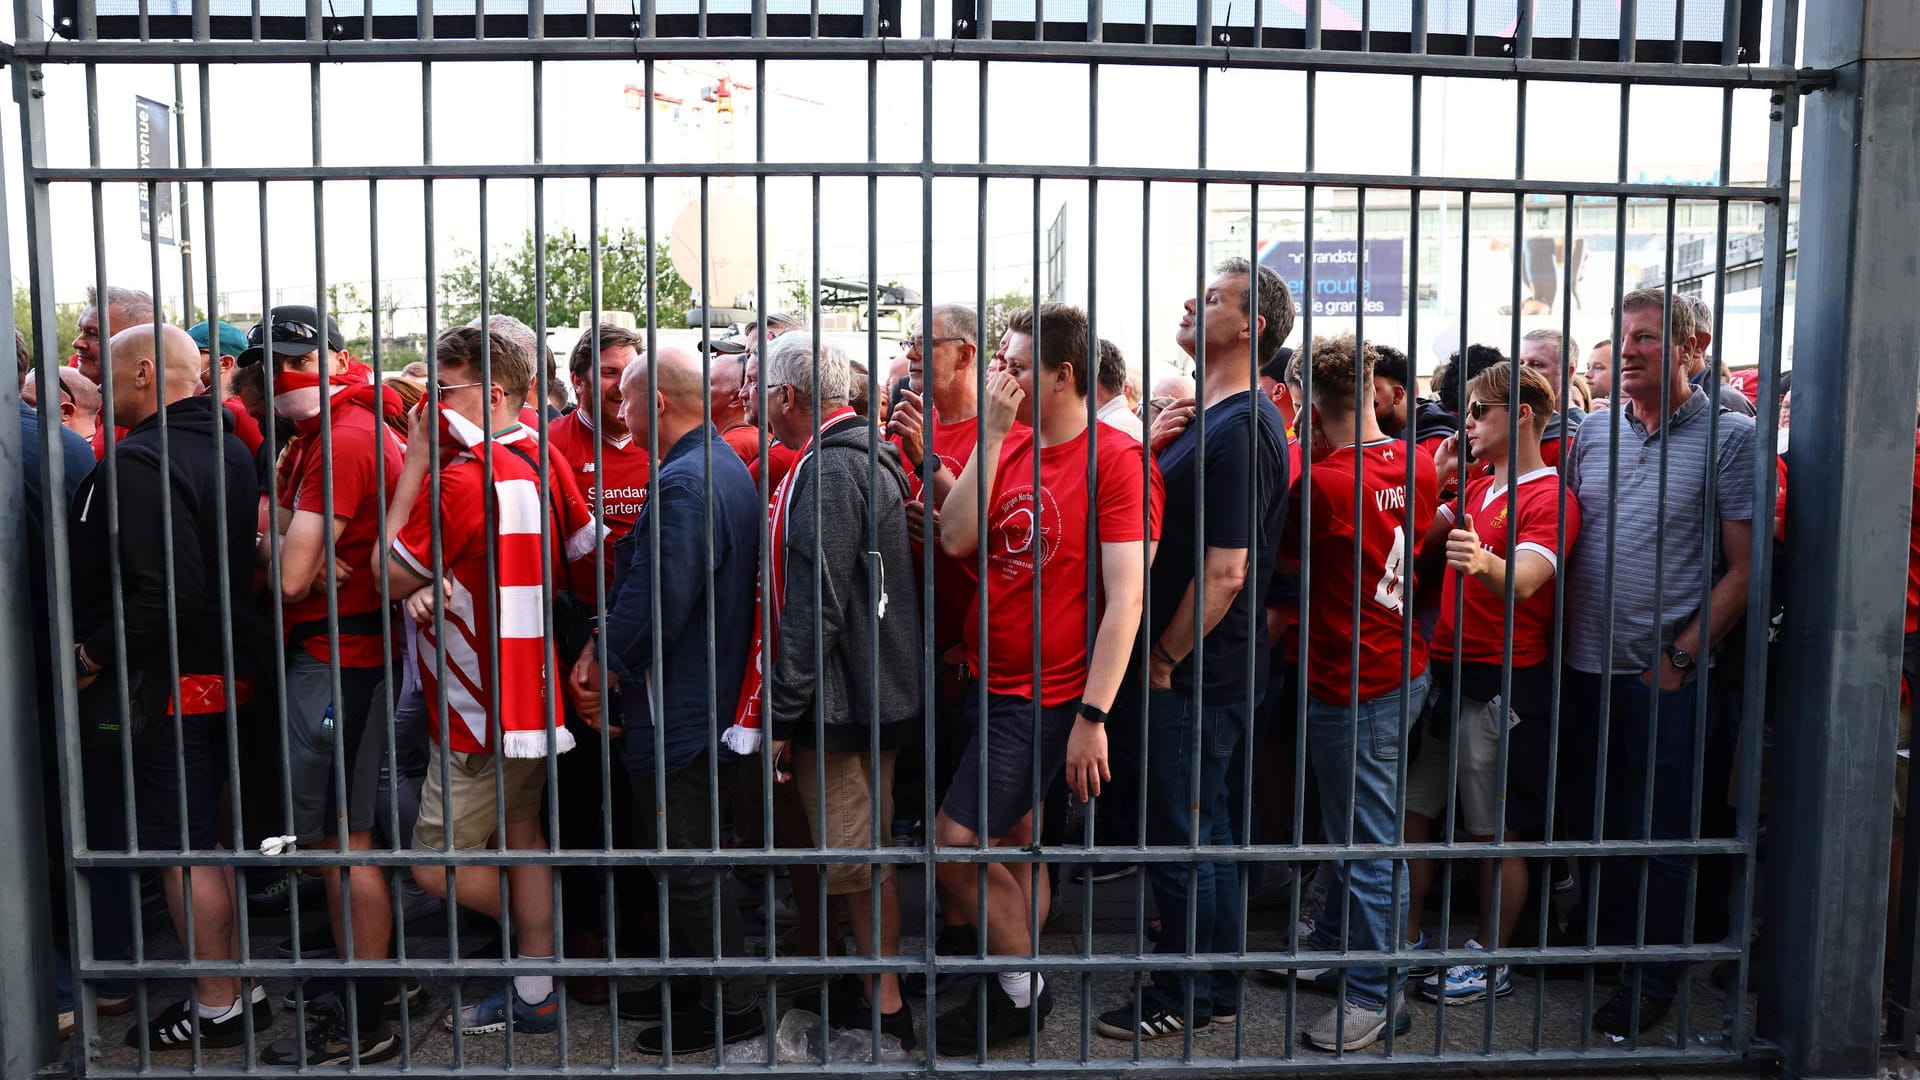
1289 639
1536 513
1381 523
245 427
625 466
99 439
780 460
357 492
953 584
1057 527
745 440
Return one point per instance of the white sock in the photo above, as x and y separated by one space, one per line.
533 989
1023 987
216 1012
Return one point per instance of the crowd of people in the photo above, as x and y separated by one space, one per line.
712 567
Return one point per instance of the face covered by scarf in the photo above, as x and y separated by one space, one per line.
296 394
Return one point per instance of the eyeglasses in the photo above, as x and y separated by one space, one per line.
1478 409
908 343
444 387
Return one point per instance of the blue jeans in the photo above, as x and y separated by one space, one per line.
1627 796
1357 765
1210 890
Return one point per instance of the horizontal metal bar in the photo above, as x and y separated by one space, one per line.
261 968
1557 1062
962 170
801 48
1309 853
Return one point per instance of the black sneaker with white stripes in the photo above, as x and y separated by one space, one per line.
1154 1022
172 1027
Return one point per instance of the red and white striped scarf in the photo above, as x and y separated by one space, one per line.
744 736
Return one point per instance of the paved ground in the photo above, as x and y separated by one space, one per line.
1542 1015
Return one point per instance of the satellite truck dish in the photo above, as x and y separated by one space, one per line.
729 257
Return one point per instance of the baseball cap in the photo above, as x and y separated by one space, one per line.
290 330
727 346
233 340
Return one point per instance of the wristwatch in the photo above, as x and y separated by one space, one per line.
84 667
1680 658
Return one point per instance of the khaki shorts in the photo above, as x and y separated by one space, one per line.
471 797
1478 766
850 810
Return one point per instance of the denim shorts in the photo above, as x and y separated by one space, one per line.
1011 753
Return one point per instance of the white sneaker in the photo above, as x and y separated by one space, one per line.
1467 983
1352 1026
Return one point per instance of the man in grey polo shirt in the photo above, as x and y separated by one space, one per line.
1659 647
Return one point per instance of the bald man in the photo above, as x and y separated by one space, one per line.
79 400
696 598
156 384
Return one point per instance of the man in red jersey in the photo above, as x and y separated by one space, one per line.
1523 493
492 606
780 458
1037 539
1358 775
611 469
942 388
346 464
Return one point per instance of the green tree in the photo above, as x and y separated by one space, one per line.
998 309
66 321
569 292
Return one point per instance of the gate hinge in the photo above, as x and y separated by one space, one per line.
1808 80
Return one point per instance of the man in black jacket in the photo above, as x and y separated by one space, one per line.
848 708
169 468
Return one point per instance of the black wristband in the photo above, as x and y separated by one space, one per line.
1098 716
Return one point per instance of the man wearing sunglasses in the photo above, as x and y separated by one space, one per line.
343 461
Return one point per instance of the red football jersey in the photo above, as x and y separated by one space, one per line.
1048 536
1379 525
1288 641
624 467
1536 513
953 584
780 460
745 440
357 492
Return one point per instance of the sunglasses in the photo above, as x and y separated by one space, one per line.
1478 409
445 387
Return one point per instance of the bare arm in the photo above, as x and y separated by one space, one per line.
303 555
1225 575
1123 568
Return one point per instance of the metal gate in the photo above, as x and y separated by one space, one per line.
1230 133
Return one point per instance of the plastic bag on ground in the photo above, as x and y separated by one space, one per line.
797 1042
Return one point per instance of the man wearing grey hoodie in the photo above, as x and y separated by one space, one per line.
844 702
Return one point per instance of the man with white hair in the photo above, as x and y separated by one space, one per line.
850 653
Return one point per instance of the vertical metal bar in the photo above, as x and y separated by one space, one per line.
1855 338
1773 273
27 1040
